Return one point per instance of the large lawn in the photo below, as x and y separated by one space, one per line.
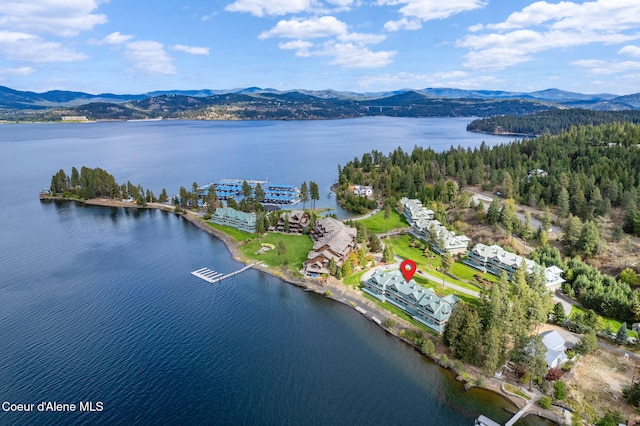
378 224
402 247
234 233
298 247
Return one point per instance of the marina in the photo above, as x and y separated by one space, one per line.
274 194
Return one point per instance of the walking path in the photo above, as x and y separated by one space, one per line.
440 280
520 413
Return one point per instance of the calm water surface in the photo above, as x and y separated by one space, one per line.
97 304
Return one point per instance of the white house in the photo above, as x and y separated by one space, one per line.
556 347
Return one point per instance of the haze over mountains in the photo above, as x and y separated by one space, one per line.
258 103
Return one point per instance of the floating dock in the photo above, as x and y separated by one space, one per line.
211 276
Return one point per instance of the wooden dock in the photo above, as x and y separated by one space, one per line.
213 277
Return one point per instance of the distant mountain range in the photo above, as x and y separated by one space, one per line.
258 103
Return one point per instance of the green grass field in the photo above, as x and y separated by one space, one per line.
353 280
378 225
402 247
604 322
298 247
233 232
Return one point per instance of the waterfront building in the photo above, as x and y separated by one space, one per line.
236 219
332 239
494 259
298 221
423 304
363 191
423 224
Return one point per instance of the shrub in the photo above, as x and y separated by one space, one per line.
328 293
554 374
559 390
389 322
545 402
428 348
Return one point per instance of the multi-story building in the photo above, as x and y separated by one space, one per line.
236 219
423 304
295 222
494 259
332 239
423 224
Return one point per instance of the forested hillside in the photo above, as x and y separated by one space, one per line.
584 172
553 121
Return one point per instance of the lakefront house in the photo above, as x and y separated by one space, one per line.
423 304
332 239
293 222
234 218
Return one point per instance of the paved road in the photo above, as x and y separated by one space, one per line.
440 281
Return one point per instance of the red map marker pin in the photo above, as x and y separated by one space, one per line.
408 268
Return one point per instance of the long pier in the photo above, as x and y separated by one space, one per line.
212 276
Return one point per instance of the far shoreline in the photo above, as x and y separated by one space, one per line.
337 288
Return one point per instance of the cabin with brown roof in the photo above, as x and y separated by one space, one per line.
293 222
332 239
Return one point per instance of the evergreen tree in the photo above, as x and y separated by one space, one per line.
558 313
387 254
247 190
314 192
563 202
75 177
571 232
589 240
622 335
304 194
164 197
493 213
259 193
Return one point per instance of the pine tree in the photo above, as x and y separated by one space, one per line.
314 192
493 213
304 194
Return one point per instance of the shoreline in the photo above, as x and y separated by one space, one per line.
340 293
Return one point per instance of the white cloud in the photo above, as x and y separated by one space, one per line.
114 39
324 26
269 7
630 51
543 26
427 10
150 57
191 50
300 46
403 24
341 3
595 66
59 17
362 38
30 48
350 55
16 71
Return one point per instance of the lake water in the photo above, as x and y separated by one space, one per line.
97 304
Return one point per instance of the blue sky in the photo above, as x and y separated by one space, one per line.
135 46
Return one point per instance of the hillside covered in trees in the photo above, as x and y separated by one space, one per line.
552 121
584 172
